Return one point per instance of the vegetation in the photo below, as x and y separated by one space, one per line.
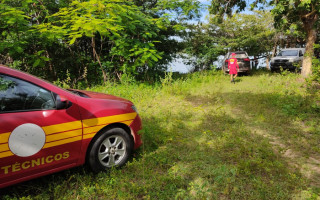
76 41
83 40
253 33
205 138
287 14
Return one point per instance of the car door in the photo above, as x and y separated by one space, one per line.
300 55
35 137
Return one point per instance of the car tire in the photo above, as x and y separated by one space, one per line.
112 148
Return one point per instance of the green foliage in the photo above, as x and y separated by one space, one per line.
13 24
221 7
288 12
5 84
291 16
101 38
205 138
284 11
314 82
316 66
253 33
167 80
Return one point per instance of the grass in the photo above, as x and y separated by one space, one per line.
205 138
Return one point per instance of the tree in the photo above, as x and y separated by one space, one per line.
296 11
21 46
253 33
304 12
80 40
122 25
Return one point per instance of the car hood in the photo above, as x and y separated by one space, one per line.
285 57
98 95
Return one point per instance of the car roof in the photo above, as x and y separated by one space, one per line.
33 79
302 49
15 72
238 52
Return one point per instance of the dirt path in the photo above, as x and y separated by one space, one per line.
289 138
308 165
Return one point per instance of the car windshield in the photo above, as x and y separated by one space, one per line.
240 55
81 94
5 84
288 53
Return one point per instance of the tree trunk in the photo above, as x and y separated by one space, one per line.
98 59
274 51
308 24
51 67
267 63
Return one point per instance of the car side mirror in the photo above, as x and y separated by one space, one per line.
62 102
300 54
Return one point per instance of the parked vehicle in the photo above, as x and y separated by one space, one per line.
290 59
243 62
46 129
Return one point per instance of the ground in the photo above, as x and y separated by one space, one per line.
205 138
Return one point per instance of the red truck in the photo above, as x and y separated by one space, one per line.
243 62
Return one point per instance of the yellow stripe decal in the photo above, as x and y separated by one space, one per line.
4 147
62 127
6 154
91 135
94 129
63 135
61 142
128 122
108 120
4 137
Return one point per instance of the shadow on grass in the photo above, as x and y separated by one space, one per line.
286 120
221 158
191 154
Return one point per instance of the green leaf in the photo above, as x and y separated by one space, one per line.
36 63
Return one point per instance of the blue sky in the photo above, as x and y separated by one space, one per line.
178 64
205 12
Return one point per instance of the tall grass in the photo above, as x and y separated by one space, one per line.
205 138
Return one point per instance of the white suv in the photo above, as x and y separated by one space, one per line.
289 58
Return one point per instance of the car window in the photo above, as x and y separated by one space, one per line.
19 95
240 55
288 53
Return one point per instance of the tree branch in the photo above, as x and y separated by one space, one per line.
309 14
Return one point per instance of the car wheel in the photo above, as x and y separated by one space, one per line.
112 148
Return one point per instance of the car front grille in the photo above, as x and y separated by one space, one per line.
281 61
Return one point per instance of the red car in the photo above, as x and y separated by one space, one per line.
243 61
46 129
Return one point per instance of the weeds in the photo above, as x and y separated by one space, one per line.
205 138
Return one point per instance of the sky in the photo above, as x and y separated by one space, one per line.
178 65
205 12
